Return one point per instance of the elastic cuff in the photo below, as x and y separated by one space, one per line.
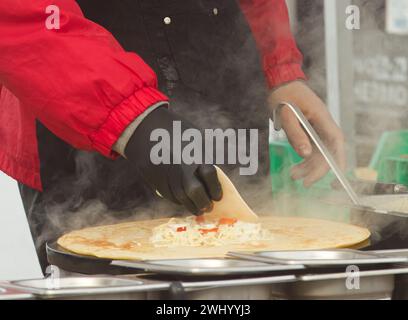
121 143
281 74
121 116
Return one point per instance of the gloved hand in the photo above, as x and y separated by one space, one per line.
314 165
191 185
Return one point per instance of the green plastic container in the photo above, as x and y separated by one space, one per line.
291 197
282 157
394 170
387 159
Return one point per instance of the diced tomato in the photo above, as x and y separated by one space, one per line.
200 219
181 229
228 221
205 231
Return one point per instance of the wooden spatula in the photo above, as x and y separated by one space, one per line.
231 205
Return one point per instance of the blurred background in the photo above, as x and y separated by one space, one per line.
356 59
361 73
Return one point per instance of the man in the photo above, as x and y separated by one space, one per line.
75 87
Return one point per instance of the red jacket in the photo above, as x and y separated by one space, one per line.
84 87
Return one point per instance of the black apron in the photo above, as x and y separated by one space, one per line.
206 61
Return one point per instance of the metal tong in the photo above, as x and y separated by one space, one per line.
319 144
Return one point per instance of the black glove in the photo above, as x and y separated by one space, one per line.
193 186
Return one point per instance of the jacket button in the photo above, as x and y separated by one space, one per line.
167 20
215 11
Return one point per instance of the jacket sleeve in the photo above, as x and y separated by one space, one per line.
269 22
77 80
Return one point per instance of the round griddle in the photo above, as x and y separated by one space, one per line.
77 263
73 262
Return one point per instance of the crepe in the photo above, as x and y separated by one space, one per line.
131 240
366 174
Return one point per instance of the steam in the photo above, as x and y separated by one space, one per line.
219 109
82 209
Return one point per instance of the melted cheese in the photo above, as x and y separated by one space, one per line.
208 234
